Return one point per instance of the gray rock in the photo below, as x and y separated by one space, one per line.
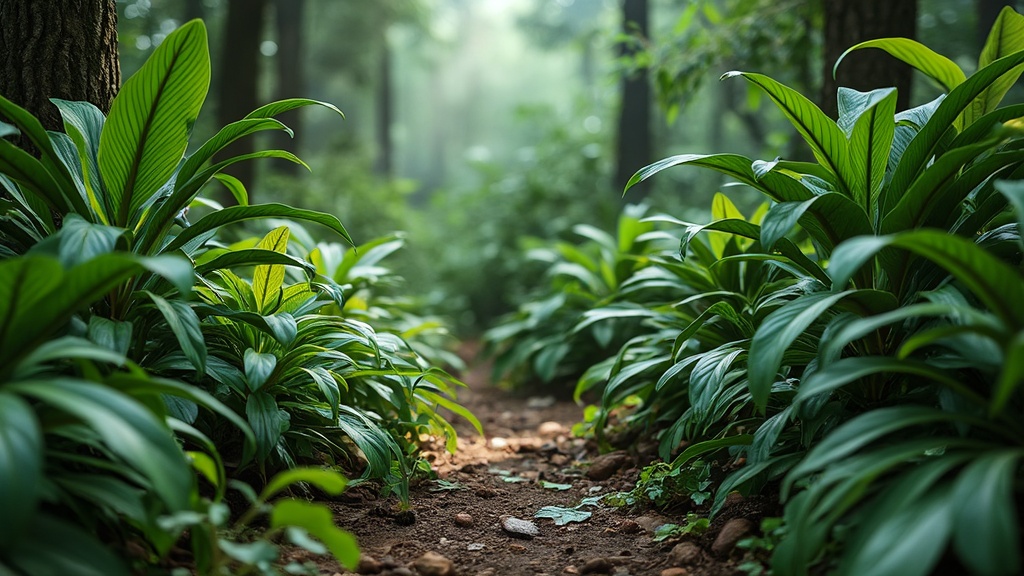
434 564
685 554
604 466
519 528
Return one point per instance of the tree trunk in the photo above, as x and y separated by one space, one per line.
385 103
291 74
58 49
633 145
239 80
848 22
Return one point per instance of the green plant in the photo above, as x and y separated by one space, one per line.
758 549
906 413
694 526
665 485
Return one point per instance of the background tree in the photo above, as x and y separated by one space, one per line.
239 75
848 22
289 19
58 49
633 138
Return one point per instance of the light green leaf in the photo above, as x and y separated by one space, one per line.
329 481
554 486
83 123
147 131
318 521
870 144
225 136
1005 38
937 67
268 278
821 133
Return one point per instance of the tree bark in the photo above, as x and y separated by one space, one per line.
848 22
291 75
239 80
63 49
633 143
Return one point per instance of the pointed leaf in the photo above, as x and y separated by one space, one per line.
146 133
986 532
184 323
268 278
21 465
937 67
870 145
1005 38
319 522
258 368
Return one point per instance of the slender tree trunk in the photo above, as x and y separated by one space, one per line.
633 145
848 22
239 79
58 49
291 74
385 103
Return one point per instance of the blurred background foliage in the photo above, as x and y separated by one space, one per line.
477 126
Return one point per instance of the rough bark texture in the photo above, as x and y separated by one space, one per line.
291 74
239 79
633 145
848 22
58 49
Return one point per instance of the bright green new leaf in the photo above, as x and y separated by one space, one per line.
870 143
268 278
329 481
1005 38
937 67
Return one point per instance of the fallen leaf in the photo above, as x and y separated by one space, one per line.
562 516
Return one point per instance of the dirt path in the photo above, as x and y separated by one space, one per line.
527 461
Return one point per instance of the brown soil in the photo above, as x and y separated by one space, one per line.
526 438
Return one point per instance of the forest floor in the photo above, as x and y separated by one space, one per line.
460 524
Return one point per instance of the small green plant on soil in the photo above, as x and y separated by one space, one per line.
667 486
758 549
695 525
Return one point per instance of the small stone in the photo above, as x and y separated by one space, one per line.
540 402
368 565
433 564
550 429
463 519
499 443
517 547
570 569
733 531
649 523
519 528
604 466
475 547
596 566
674 572
486 492
685 554
629 527
487 572
400 571
732 500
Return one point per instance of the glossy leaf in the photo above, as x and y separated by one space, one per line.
986 533
268 278
1005 38
319 522
184 323
937 67
258 368
21 465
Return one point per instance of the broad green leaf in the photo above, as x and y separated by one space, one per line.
1005 38
56 546
268 422
81 241
563 516
135 435
721 209
21 465
909 543
258 368
921 149
777 332
281 326
147 131
83 123
268 278
997 285
112 335
30 174
329 481
986 533
937 67
235 214
706 446
253 257
850 370
318 521
253 553
870 145
184 323
776 186
24 284
827 141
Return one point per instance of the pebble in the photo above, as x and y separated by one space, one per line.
463 519
629 527
649 523
499 443
685 554
519 528
485 492
540 402
475 547
550 429
674 572
400 571
733 531
487 572
596 566
604 466
368 565
733 499
570 569
434 564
